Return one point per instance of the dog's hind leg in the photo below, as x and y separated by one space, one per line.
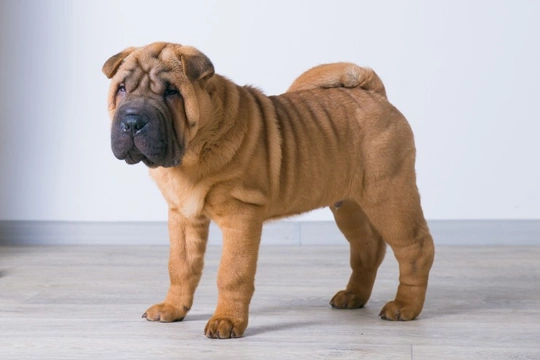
392 205
367 252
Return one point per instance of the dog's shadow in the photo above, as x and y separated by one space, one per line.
271 319
197 317
257 330
442 302
3 273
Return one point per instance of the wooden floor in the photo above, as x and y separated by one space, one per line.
86 302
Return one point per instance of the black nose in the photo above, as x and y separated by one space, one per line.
132 123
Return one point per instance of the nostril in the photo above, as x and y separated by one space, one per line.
132 123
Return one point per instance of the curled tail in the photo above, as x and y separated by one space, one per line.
347 75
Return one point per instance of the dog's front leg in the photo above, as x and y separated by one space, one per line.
188 244
236 276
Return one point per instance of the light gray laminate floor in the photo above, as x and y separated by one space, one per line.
85 302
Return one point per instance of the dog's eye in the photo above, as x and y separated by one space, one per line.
171 92
121 88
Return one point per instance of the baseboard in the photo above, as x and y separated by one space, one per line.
445 232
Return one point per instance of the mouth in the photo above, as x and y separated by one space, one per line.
135 156
153 165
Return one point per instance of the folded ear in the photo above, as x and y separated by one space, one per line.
196 65
111 66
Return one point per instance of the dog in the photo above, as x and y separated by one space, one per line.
228 153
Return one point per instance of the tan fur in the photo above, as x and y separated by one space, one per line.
332 139
338 75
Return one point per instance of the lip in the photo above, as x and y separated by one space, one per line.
149 163
153 165
134 156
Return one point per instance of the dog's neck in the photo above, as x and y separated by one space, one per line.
226 133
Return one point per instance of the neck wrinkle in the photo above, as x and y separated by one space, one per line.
224 135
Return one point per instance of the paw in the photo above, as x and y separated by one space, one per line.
224 328
399 310
347 300
165 312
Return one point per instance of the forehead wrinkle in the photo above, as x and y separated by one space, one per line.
165 64
156 84
151 54
132 82
158 77
171 58
141 65
153 67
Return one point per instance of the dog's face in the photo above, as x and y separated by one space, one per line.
157 102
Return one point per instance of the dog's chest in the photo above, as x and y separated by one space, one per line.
191 201
180 193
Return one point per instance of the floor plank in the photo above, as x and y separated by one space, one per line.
85 302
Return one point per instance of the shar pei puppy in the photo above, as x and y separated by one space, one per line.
228 153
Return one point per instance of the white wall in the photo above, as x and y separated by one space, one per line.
465 73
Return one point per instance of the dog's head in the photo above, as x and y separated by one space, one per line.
157 102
